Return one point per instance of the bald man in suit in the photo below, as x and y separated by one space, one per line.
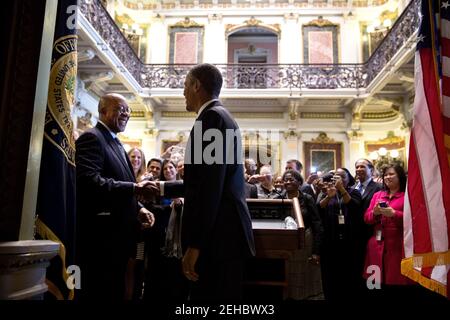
107 210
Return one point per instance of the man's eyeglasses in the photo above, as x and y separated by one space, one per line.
124 109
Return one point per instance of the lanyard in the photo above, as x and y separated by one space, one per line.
341 217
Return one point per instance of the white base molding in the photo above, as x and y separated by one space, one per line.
23 267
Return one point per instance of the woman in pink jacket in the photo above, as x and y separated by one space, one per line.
385 213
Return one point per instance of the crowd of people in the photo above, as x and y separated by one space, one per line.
169 229
355 222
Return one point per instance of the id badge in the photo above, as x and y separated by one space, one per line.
378 235
341 219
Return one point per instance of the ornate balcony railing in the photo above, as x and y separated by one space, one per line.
403 28
263 76
258 76
102 22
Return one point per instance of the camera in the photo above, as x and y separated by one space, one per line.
335 179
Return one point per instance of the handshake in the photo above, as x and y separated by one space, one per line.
146 191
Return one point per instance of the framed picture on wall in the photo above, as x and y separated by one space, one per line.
322 160
186 42
322 154
320 42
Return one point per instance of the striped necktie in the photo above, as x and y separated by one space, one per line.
122 149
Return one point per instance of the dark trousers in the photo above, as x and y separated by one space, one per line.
219 280
103 281
165 280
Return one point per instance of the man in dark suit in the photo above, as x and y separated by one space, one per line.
216 233
108 212
367 188
251 191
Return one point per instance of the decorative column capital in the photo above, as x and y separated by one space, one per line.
291 134
215 17
151 133
354 135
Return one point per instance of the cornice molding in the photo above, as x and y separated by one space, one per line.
252 22
389 140
258 115
177 4
177 114
238 115
186 23
323 138
322 115
138 114
379 115
320 22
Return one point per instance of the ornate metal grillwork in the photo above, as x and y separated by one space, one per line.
401 31
258 76
164 75
99 18
263 76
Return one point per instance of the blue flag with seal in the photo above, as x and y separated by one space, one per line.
56 196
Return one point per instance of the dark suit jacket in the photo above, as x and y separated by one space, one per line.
251 191
311 218
106 206
216 218
372 187
307 188
366 229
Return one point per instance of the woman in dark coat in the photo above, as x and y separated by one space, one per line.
309 256
341 217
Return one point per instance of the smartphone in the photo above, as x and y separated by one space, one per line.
383 204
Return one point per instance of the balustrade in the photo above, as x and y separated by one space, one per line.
258 76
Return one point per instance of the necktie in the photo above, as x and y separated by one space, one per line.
360 188
122 150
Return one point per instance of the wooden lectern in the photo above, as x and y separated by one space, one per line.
268 271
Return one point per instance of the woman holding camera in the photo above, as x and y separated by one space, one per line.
385 247
339 206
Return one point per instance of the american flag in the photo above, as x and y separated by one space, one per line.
427 202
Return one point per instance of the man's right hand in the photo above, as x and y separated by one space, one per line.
146 190
188 263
